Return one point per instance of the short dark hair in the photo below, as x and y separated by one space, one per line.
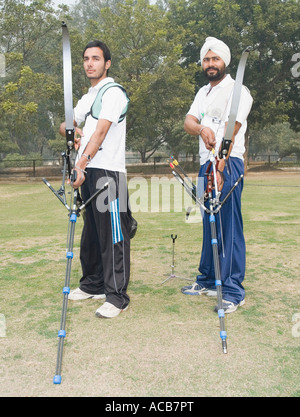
102 46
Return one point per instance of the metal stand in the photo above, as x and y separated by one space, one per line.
173 263
215 206
214 242
73 212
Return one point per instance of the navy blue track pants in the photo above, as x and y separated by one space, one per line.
231 243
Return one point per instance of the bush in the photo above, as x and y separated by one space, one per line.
15 160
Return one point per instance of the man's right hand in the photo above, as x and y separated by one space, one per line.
77 139
208 137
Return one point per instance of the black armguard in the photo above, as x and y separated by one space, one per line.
224 148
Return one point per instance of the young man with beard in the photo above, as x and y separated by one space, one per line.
105 240
207 118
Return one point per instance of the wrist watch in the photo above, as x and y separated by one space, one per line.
88 157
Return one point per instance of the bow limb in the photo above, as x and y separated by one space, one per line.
68 92
237 90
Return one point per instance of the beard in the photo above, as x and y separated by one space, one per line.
220 73
96 75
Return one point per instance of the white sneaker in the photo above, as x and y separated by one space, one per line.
108 310
229 306
78 294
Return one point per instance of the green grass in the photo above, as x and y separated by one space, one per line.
166 344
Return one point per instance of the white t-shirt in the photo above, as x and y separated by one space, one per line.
112 153
211 107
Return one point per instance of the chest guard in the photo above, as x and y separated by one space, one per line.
97 105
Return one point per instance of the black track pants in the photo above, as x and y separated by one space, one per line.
105 242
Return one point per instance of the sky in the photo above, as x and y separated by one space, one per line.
67 2
72 2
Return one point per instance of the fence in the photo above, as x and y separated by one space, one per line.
53 167
155 165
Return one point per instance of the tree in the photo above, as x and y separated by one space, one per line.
88 9
30 29
146 51
30 95
270 27
24 126
155 49
287 140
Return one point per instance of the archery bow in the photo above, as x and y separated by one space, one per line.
73 212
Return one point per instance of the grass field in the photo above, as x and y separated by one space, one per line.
166 344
